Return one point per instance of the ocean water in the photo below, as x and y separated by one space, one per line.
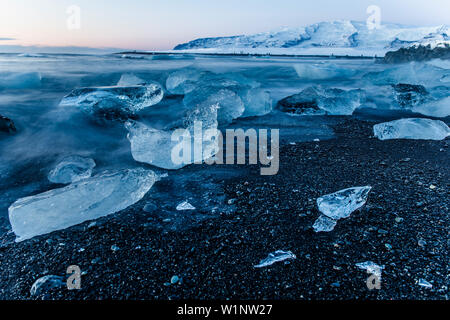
31 89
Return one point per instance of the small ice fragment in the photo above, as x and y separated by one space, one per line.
342 204
88 199
371 268
424 283
46 283
275 257
324 224
129 79
412 128
72 169
185 206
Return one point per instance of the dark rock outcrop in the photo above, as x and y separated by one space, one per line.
6 125
417 53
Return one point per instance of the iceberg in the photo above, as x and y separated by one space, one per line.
371 268
324 224
412 128
257 102
303 103
72 169
159 147
208 86
277 256
437 108
321 72
183 81
417 73
156 147
410 95
46 283
342 204
24 80
115 102
152 146
321 100
88 199
230 105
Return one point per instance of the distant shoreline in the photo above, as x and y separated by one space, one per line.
154 53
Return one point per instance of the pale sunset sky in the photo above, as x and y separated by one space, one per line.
161 24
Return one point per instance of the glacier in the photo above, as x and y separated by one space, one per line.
412 128
88 199
341 37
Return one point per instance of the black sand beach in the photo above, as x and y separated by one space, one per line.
404 226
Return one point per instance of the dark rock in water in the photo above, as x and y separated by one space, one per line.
410 95
305 102
6 125
418 53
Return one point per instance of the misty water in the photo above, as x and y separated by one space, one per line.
32 87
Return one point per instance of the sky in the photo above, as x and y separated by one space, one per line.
162 24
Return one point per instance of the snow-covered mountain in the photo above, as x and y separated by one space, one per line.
338 37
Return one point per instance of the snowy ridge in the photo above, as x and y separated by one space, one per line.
338 37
